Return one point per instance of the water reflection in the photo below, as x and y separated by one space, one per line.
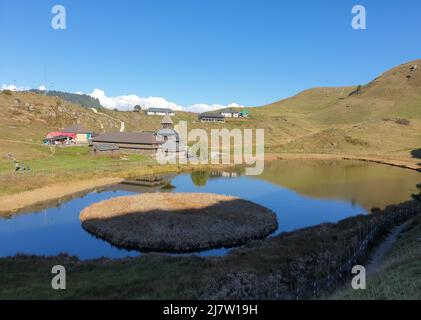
302 193
366 184
369 185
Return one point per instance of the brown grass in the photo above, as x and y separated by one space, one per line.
178 222
407 163
21 200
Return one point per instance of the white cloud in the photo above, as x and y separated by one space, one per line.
12 87
127 102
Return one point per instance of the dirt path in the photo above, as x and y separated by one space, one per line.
122 124
19 201
378 255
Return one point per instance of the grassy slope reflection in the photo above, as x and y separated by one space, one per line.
368 184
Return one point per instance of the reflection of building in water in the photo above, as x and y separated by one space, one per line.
224 174
132 186
229 174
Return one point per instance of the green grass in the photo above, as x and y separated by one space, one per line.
74 158
399 277
56 165
151 278
168 277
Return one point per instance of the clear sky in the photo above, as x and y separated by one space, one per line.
251 52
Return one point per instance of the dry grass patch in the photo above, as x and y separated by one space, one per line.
16 202
178 222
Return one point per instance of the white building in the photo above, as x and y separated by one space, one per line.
230 113
160 112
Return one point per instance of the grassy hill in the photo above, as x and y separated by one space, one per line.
382 117
379 118
28 117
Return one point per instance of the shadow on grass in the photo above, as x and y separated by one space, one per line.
416 153
228 223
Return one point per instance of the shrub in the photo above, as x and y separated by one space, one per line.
357 91
403 122
7 92
355 141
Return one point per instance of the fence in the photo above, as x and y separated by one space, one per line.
390 217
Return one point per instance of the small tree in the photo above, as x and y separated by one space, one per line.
137 108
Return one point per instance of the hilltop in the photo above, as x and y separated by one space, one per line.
82 99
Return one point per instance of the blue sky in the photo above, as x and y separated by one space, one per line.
251 52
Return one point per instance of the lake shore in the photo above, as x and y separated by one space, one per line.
54 190
14 203
406 163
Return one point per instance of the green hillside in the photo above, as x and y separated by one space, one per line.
382 117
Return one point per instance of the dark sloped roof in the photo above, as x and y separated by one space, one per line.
210 115
167 110
127 137
106 147
168 133
76 128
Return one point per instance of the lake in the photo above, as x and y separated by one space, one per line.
301 193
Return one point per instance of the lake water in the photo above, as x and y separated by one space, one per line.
301 193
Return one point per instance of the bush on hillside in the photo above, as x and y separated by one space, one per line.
357 91
355 141
403 122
